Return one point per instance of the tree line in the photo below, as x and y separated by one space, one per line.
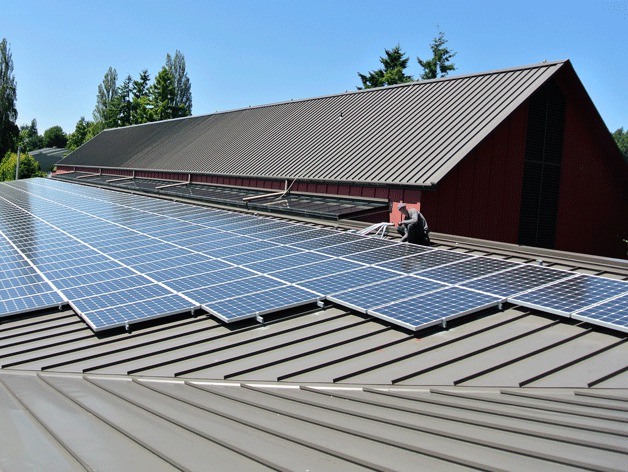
136 101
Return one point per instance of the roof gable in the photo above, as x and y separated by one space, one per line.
407 134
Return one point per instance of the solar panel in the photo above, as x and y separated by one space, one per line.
235 250
227 290
286 229
570 295
387 291
286 262
260 303
208 279
467 269
141 310
517 280
435 307
261 255
347 280
26 303
359 245
611 313
318 269
122 258
298 236
325 241
426 260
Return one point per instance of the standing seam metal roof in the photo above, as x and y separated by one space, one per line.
405 134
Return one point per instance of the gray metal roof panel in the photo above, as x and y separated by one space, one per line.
407 134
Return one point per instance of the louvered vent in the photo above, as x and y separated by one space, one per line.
541 176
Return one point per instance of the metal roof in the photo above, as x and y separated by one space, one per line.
323 389
406 134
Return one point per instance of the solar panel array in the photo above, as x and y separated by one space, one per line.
120 258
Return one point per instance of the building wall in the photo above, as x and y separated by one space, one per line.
480 197
593 203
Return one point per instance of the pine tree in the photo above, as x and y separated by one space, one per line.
439 65
141 107
163 95
393 71
9 131
124 103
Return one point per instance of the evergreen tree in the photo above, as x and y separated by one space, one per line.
106 111
55 137
141 107
621 138
163 95
440 63
30 139
124 103
9 131
79 136
182 86
393 72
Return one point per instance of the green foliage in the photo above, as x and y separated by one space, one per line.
163 94
621 138
141 103
123 102
440 63
30 139
29 167
55 137
9 131
182 85
393 71
106 111
79 136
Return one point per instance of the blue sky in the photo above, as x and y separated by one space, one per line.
240 53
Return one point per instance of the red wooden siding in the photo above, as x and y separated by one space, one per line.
479 198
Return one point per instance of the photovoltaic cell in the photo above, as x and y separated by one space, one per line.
294 237
567 296
467 269
227 290
140 310
394 251
319 269
612 313
435 307
325 241
419 262
287 262
249 306
517 280
261 255
358 245
346 280
209 279
385 292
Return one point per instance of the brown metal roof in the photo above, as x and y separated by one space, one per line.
406 134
